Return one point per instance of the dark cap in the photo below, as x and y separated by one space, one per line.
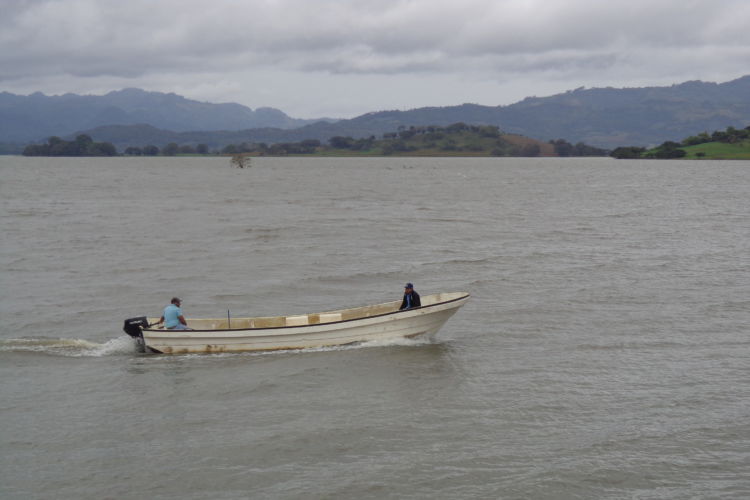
175 300
409 285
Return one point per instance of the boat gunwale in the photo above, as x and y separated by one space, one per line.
164 330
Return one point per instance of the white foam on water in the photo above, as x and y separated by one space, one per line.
412 342
120 345
70 347
348 347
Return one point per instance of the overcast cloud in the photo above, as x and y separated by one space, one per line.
313 58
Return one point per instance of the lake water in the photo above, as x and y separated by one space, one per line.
605 352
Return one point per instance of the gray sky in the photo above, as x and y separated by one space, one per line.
315 58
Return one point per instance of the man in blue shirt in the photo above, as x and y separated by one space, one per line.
411 298
172 316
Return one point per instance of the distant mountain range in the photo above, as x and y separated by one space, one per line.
38 116
603 117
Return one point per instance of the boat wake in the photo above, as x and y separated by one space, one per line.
362 345
70 347
415 342
124 345
400 342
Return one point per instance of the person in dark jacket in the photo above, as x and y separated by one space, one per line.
411 298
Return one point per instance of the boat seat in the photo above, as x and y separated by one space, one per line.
297 320
330 317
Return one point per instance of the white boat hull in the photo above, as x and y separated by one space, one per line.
383 322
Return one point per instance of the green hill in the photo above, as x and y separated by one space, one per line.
454 140
729 144
719 151
458 139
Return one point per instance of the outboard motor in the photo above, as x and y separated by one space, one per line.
133 327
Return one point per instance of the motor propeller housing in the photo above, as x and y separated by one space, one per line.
134 328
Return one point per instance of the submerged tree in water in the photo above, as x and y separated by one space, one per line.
241 161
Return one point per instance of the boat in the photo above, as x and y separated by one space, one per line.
379 322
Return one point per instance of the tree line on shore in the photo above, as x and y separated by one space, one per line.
456 139
672 149
82 145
